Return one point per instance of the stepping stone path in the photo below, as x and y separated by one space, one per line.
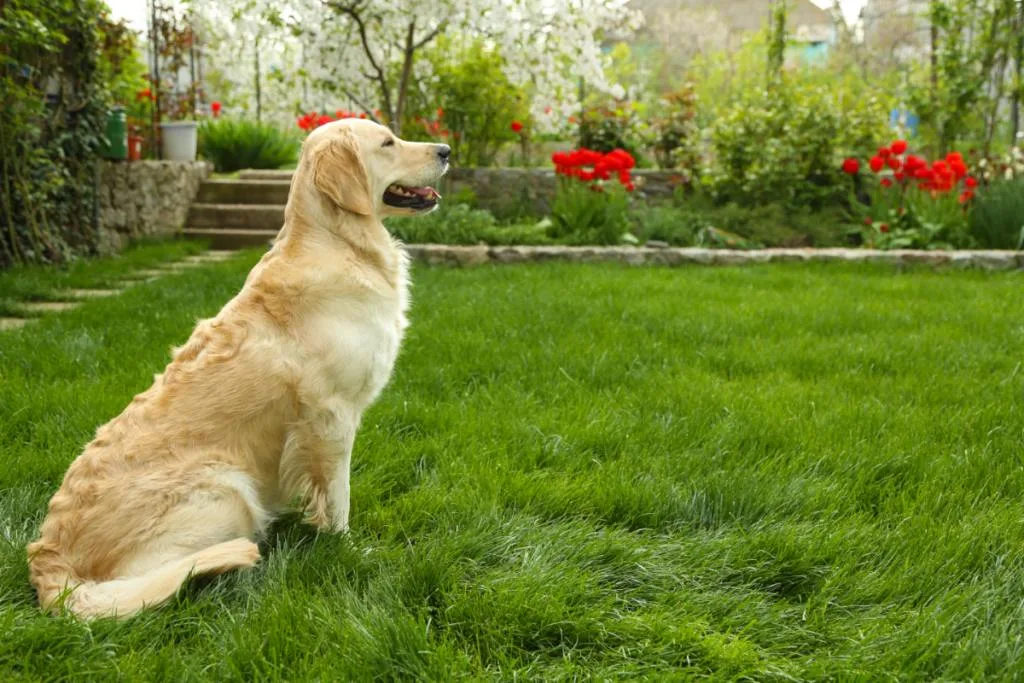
75 297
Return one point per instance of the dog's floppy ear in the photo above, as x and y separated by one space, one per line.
339 173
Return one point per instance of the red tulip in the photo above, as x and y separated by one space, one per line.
876 164
894 163
215 108
886 183
851 166
517 126
899 147
971 182
884 152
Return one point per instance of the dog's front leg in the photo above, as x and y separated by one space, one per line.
316 462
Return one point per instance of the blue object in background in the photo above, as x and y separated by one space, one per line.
901 118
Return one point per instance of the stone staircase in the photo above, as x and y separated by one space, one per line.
234 214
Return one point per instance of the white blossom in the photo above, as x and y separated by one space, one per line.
331 54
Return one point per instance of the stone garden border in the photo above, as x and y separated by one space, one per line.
441 254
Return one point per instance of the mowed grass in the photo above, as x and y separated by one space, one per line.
778 472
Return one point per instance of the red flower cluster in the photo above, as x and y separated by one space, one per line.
314 120
941 176
436 126
588 166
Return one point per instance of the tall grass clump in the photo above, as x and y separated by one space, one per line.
997 219
233 145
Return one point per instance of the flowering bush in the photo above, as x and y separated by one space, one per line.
591 205
314 120
1008 167
912 203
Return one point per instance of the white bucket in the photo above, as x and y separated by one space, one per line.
179 140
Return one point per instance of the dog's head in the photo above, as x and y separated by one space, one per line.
362 167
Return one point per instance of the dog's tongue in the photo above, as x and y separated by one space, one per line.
425 192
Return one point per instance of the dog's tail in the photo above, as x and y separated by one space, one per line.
58 585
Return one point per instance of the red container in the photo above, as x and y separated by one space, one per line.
134 147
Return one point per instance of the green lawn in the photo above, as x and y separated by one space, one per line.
781 472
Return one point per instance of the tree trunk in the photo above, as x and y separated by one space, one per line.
992 116
1018 84
409 52
934 66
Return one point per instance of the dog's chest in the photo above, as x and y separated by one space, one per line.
356 343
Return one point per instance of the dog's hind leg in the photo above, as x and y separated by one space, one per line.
223 507
316 462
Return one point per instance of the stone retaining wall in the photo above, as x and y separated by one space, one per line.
517 191
439 254
145 199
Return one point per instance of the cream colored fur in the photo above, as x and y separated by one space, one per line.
258 411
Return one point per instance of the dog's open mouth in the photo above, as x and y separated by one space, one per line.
415 198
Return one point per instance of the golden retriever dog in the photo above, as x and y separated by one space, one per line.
258 411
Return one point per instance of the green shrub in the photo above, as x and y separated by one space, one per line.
770 224
49 147
461 224
233 145
785 146
471 103
613 126
997 217
675 131
667 224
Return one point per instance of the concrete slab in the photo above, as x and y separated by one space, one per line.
89 293
48 306
13 323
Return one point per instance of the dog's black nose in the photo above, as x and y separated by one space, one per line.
444 151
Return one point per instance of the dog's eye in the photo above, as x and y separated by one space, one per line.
390 142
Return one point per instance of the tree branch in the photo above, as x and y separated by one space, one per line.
353 12
430 36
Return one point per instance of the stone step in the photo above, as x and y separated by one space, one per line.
244 191
230 238
240 216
